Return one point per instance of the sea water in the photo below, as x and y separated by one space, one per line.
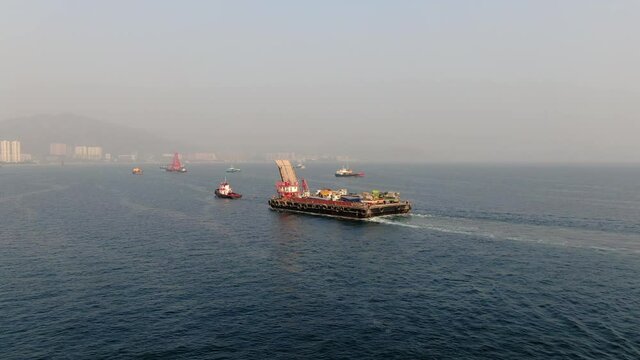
526 262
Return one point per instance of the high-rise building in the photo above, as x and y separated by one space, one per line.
57 149
80 152
15 152
94 153
4 151
10 151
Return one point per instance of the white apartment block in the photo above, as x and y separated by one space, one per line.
10 151
82 152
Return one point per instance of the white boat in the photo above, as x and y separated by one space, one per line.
347 172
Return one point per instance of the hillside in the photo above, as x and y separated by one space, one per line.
37 132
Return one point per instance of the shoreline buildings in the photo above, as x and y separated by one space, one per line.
87 152
10 151
57 149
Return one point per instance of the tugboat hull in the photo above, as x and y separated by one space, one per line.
232 196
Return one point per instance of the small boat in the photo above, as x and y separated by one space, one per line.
176 166
347 172
136 171
300 166
233 170
225 191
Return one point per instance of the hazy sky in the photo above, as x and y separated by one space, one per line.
422 80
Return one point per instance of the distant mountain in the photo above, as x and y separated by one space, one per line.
37 132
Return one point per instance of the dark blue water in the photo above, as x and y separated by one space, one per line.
496 262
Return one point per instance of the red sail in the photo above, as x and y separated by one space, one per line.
176 165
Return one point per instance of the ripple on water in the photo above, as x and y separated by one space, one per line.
100 264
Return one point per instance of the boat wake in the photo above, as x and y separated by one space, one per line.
18 197
195 220
500 230
421 215
391 220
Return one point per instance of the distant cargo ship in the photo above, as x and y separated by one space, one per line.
176 166
347 172
295 196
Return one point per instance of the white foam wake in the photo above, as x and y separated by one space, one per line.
500 230
391 221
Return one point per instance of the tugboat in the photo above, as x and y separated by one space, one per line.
136 171
225 191
347 172
176 165
294 196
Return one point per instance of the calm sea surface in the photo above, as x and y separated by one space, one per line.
495 262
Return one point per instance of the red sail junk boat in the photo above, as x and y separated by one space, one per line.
176 165
225 191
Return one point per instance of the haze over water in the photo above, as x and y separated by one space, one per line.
435 81
495 262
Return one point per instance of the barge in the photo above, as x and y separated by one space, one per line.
294 196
